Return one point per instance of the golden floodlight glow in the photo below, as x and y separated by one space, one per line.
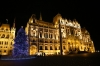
45 37
73 36
7 36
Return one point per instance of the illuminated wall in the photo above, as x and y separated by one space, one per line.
44 36
6 39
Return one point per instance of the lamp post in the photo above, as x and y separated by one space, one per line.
60 36
38 39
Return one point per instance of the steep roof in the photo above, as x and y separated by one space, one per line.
5 25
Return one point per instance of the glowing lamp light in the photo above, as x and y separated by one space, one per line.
92 51
39 53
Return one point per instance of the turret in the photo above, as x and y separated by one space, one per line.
32 19
56 18
13 29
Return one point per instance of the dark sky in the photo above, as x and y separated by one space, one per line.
85 12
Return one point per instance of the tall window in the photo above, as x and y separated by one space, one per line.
51 48
46 48
59 48
33 20
51 36
72 32
64 47
68 31
2 42
34 33
55 36
41 48
5 43
40 35
46 35
11 43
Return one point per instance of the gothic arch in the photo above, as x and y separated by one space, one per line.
33 49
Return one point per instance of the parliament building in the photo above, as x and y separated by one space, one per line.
59 37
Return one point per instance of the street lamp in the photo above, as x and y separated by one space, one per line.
60 36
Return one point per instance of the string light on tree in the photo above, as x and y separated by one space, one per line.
21 44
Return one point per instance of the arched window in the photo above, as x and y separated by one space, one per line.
7 36
3 35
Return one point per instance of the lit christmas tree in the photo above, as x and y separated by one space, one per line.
21 44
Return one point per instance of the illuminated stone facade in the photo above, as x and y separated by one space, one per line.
45 36
7 36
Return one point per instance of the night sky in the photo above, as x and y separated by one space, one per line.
87 13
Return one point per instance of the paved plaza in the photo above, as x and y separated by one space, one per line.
70 60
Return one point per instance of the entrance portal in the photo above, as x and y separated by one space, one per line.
33 50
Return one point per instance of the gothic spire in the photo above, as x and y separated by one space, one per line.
14 23
40 16
21 26
7 20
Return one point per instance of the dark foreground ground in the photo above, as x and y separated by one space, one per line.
70 60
